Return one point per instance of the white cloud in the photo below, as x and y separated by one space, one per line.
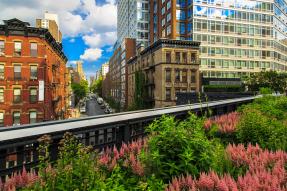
92 54
72 40
100 18
100 39
110 49
95 22
71 62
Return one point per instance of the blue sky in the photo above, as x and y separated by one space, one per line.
88 26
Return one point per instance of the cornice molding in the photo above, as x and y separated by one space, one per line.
16 27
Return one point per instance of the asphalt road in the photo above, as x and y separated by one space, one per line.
93 108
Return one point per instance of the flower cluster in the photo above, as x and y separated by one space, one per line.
226 123
19 180
266 169
266 172
128 156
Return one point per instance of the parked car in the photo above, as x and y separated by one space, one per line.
83 108
104 105
108 110
100 100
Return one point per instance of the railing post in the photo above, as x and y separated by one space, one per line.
3 153
126 133
20 155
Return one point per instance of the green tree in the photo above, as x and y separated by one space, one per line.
80 90
269 79
97 86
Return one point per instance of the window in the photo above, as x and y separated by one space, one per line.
168 94
33 95
168 29
193 77
168 17
162 22
34 49
33 72
163 11
2 47
17 48
193 58
10 164
33 117
17 71
177 75
168 75
1 119
1 71
177 57
184 76
168 5
1 94
168 57
184 57
17 95
16 118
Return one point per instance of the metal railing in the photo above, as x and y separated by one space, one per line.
20 143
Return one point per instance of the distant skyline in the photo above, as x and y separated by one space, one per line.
88 26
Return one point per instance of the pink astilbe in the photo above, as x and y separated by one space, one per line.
181 183
266 172
226 123
127 156
19 180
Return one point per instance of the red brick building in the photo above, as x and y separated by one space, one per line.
33 87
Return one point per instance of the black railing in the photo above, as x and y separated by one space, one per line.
20 143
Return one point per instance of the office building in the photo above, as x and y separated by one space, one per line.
80 70
133 21
237 37
105 69
33 85
118 70
168 67
50 22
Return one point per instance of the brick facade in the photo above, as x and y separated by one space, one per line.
51 67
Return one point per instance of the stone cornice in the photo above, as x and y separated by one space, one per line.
15 27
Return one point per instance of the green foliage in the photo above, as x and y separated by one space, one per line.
97 86
140 93
181 147
113 103
223 88
264 122
265 91
269 79
80 90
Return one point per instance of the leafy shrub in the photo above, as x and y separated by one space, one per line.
265 91
223 88
181 147
264 122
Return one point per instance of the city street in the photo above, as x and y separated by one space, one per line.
93 108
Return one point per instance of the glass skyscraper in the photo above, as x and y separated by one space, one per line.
133 20
132 23
238 37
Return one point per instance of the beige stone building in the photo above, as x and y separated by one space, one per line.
168 67
50 22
